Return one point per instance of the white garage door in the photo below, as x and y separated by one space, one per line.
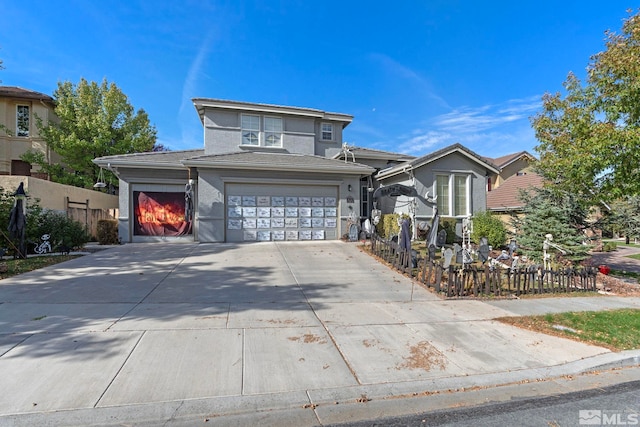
257 212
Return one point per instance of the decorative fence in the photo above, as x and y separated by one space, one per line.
459 281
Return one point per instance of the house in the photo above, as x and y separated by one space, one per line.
511 164
19 110
453 179
266 172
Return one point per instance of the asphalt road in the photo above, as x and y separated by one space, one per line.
614 405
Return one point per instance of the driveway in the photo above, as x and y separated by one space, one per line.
264 325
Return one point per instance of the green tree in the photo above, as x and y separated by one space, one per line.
590 138
486 224
625 217
94 120
550 212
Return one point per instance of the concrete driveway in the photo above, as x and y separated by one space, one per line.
145 331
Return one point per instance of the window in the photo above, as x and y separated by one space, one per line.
253 134
22 120
327 132
272 132
453 194
250 130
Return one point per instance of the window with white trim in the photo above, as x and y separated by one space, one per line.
250 130
453 194
272 132
261 130
22 120
326 131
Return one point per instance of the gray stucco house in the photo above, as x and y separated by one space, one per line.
454 179
267 172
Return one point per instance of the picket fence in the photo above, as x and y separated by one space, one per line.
459 281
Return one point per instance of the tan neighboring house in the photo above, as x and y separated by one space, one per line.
503 189
19 110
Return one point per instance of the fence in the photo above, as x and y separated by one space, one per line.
459 281
89 217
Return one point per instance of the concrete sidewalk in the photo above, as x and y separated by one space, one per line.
290 333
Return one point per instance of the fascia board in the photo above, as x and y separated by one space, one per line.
269 167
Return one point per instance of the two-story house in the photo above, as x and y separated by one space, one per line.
267 172
19 110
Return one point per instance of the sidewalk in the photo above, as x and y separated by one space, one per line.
308 333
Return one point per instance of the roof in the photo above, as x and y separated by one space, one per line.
370 153
506 160
505 197
264 160
18 92
249 160
156 159
421 161
203 103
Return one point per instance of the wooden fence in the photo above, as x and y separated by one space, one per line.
459 281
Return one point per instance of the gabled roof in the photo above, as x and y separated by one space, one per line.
18 92
370 153
248 160
506 160
505 197
264 160
203 103
421 161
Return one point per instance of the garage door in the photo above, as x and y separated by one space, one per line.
257 212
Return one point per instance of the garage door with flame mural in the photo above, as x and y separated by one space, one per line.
159 214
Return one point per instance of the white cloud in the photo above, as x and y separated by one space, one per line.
491 130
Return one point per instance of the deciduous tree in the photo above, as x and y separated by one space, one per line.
590 137
94 120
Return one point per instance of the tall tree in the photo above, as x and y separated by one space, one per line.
94 120
548 211
590 138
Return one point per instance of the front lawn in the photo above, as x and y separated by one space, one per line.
616 330
19 266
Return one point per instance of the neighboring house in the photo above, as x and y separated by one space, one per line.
455 177
512 164
267 172
19 110
505 201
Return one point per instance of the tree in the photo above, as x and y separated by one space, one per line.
590 139
625 217
550 212
94 120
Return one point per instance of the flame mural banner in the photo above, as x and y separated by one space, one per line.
159 214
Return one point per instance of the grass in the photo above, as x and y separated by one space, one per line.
616 330
19 266
634 256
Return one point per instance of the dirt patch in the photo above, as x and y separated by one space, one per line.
309 339
628 287
424 356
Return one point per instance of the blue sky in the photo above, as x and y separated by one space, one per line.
416 75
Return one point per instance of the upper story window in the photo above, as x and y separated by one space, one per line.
260 130
327 132
22 120
272 132
250 130
453 194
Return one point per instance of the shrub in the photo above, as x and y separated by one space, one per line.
388 225
62 231
609 246
449 225
108 232
485 224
